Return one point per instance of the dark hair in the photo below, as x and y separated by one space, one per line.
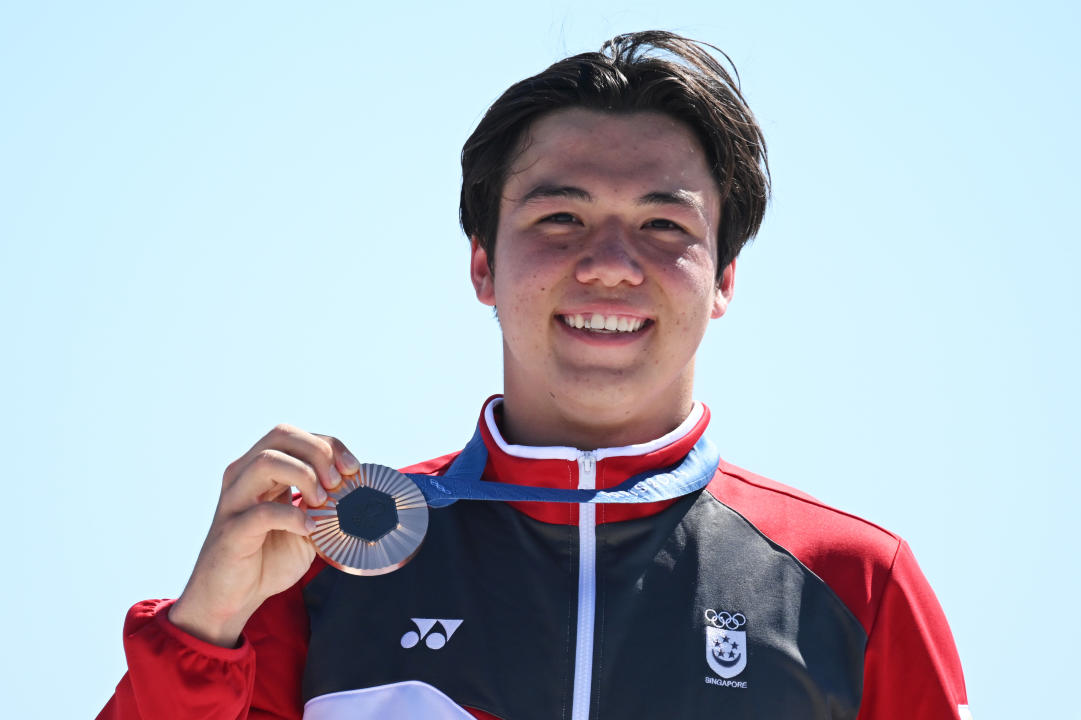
682 80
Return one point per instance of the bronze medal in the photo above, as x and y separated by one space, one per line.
371 524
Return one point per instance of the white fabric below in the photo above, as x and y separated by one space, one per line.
410 699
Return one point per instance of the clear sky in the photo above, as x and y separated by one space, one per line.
219 216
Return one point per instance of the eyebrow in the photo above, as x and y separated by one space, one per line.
682 198
677 197
544 192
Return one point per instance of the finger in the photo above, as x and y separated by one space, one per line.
345 461
249 528
270 474
314 450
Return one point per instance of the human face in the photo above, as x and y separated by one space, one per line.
605 277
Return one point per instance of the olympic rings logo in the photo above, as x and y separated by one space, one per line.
726 620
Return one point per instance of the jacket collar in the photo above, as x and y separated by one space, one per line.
558 467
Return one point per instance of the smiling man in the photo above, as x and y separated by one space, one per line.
591 555
607 277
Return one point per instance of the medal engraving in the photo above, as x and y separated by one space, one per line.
373 523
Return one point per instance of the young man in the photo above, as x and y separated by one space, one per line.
606 200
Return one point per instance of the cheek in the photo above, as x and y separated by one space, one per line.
690 294
528 275
692 280
521 296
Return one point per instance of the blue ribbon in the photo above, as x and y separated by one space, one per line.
462 481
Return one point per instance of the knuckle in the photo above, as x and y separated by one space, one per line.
263 513
327 440
340 450
309 474
328 446
283 430
234 467
265 458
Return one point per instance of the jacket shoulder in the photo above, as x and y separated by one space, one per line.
435 466
853 556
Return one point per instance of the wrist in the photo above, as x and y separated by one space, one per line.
223 632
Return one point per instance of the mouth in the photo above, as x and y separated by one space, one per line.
606 324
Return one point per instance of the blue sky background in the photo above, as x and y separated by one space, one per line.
219 216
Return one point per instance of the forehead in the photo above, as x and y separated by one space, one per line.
649 148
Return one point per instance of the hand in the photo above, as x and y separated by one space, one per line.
257 545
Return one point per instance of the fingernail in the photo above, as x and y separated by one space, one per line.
351 463
320 495
310 525
335 477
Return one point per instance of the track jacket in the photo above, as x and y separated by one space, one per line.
747 599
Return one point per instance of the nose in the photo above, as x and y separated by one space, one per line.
608 257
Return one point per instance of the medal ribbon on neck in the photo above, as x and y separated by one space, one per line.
462 481
374 522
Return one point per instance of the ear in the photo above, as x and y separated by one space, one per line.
481 274
722 294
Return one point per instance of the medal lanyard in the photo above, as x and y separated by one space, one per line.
375 521
462 481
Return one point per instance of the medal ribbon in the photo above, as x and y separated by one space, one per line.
462 481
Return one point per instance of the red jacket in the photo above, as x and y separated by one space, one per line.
748 599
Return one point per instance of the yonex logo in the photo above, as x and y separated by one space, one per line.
433 638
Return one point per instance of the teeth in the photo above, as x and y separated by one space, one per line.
609 323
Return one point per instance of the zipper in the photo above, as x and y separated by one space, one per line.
587 590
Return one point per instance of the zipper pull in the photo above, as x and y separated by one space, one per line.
587 471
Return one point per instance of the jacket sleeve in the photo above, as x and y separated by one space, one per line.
911 667
175 676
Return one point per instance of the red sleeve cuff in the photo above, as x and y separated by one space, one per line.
172 674
158 611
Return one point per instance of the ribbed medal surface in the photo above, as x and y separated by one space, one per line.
373 523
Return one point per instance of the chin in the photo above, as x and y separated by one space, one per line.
606 401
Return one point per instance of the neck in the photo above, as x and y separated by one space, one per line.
588 428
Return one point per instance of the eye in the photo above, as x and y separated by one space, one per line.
562 218
662 224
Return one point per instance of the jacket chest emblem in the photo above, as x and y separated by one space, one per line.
726 645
